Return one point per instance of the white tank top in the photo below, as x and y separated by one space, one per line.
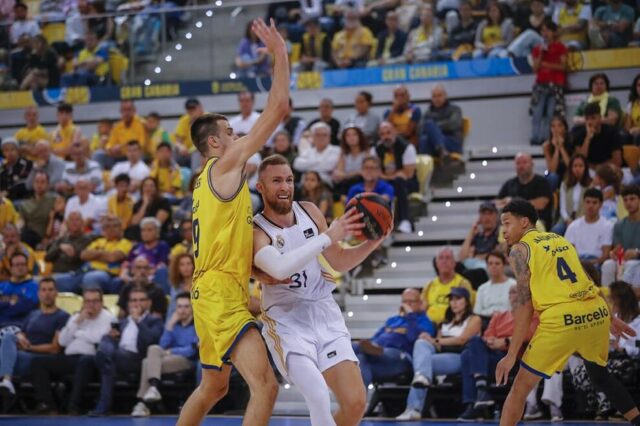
312 282
450 330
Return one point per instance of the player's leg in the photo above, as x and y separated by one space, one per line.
306 377
514 405
250 358
345 381
614 390
214 386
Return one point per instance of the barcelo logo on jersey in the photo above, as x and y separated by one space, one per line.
600 314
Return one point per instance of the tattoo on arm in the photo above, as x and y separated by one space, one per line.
518 260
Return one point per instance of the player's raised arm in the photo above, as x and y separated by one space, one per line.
277 103
523 314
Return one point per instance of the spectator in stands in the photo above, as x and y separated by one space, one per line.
14 171
623 352
493 296
293 124
404 115
75 28
610 108
8 213
572 192
182 135
597 141
79 337
31 133
91 66
325 108
104 257
45 161
462 36
35 210
482 238
322 157
186 245
282 146
632 117
251 61
120 204
315 191
103 26
150 204
166 172
139 274
133 166
372 180
90 206
315 49
424 41
623 259
129 128
181 267
65 133
355 148
64 254
42 67
18 60
398 158
572 18
364 118
557 152
530 34
22 24
528 185
175 353
442 125
494 33
123 349
591 234
611 25
156 134
391 42
435 292
37 338
481 355
13 244
442 354
351 47
608 179
243 122
55 222
81 168
153 249
18 294
386 354
547 98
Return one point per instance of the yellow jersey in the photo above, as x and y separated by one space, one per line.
222 230
183 130
63 137
556 273
29 136
121 134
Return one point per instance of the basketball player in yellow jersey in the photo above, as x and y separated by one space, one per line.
223 244
574 318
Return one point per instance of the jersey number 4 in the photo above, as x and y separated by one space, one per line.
564 271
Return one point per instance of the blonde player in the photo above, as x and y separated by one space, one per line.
222 239
303 326
574 318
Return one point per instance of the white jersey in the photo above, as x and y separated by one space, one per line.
312 282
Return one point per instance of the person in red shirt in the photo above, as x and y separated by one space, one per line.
547 98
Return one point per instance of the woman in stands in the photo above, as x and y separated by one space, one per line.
41 69
557 151
632 118
315 191
441 355
623 352
250 61
355 148
494 33
181 269
571 192
282 145
151 204
609 105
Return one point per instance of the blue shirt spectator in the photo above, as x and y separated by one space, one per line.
18 296
182 340
40 327
380 187
401 331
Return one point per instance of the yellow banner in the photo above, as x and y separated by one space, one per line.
16 100
605 59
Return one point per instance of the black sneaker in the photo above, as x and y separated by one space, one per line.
483 399
471 414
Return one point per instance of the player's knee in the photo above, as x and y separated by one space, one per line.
354 404
214 389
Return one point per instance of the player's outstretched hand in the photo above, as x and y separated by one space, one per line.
503 369
620 328
349 223
269 35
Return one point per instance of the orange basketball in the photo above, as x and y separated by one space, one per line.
377 214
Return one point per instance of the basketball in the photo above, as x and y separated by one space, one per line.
377 214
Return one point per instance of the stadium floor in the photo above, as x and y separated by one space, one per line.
225 421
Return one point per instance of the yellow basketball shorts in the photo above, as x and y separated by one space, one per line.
221 317
580 328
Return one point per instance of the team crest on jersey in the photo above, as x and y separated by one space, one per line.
279 241
308 233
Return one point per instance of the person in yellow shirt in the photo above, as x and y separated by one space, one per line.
90 66
436 293
352 45
129 128
186 154
8 214
12 245
65 134
120 204
101 137
32 132
166 172
156 134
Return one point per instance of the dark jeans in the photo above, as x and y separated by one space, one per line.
477 359
402 188
392 363
44 370
432 138
111 360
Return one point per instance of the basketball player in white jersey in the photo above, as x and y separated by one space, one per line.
303 326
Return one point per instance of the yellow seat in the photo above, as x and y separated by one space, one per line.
53 31
631 155
69 302
106 180
118 66
466 127
424 170
294 56
338 207
110 301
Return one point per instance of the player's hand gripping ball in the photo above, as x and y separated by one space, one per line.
377 216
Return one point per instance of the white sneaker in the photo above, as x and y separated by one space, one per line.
152 395
8 386
532 413
420 381
404 227
556 413
409 414
140 410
